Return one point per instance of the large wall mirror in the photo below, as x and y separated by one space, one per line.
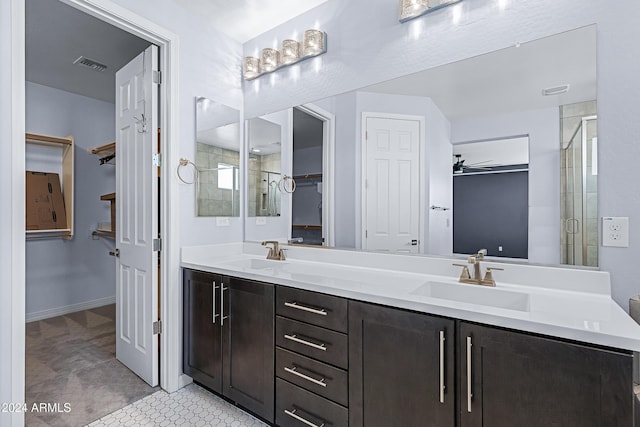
414 154
217 159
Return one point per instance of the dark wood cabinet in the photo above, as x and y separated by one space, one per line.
202 334
394 367
248 341
228 343
522 380
401 368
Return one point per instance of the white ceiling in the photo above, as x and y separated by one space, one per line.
242 20
57 34
507 80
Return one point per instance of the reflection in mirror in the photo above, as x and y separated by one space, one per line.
217 159
496 96
579 180
491 197
265 178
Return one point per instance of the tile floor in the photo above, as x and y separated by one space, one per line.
189 406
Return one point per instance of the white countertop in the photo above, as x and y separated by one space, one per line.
560 302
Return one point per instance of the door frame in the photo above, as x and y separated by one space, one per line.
328 167
422 185
171 378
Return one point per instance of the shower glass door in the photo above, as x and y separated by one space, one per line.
579 241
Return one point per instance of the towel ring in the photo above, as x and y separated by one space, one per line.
283 184
187 162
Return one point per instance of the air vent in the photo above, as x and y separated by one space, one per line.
90 63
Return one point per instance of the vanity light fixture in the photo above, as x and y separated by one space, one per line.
251 67
290 51
314 43
270 60
410 9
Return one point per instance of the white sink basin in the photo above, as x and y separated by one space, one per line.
257 264
475 294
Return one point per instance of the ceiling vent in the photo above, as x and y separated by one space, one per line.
90 63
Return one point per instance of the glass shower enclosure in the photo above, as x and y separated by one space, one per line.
579 179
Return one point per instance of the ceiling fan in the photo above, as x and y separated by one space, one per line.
459 166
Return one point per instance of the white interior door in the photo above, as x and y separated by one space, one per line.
391 185
137 215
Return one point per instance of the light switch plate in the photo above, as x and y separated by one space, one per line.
222 221
260 220
615 231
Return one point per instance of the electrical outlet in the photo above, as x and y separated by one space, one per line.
222 221
615 231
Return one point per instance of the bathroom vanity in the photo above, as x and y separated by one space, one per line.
331 338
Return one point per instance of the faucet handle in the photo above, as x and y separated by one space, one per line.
464 274
488 277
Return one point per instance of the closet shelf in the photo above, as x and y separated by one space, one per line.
308 227
107 152
111 197
308 176
66 145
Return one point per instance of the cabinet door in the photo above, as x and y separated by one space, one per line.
248 328
528 381
401 373
202 336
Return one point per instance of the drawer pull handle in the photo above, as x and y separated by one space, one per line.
293 414
295 338
294 371
294 304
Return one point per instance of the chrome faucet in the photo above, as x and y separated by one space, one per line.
275 252
476 279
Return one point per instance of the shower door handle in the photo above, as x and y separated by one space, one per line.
572 225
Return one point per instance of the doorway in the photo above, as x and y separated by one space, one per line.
138 26
312 204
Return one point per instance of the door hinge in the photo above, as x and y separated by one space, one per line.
157 245
157 77
157 159
157 327
366 234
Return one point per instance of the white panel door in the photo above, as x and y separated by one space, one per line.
137 215
391 185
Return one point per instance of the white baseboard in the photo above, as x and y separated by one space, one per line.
59 311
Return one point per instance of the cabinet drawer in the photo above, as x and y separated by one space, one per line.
312 375
319 343
311 307
295 404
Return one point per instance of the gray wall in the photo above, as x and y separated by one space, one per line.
491 211
543 128
63 273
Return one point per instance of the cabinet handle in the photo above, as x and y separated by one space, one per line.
442 386
294 304
293 414
214 315
222 316
295 338
469 393
294 371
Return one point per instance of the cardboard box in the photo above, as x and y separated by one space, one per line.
45 205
